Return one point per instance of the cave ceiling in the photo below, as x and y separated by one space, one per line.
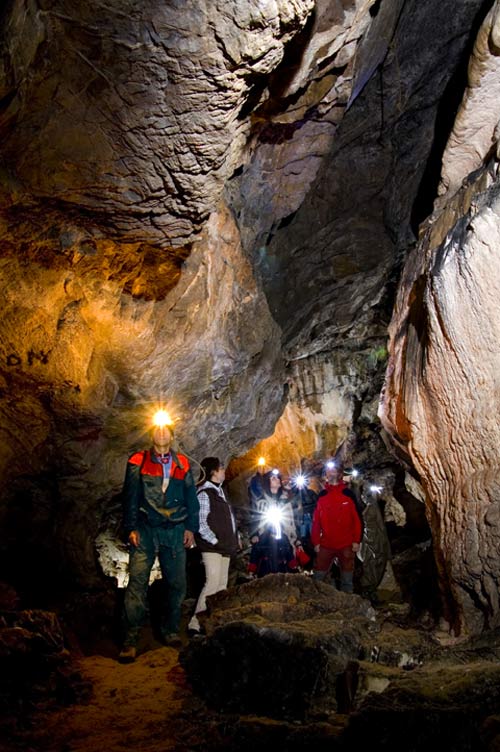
210 205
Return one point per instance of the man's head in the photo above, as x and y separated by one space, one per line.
162 438
212 469
333 472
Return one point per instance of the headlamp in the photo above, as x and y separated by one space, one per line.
261 461
161 419
300 481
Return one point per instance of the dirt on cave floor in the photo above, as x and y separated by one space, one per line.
149 706
142 705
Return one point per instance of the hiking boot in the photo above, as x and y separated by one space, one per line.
128 654
172 640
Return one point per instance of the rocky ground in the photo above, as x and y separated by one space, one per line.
403 689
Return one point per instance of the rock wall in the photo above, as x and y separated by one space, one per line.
330 264
133 118
441 393
87 365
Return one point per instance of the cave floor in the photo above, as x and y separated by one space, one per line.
149 706
132 706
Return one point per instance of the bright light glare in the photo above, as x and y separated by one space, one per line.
161 419
261 461
273 516
355 473
275 471
376 489
300 481
330 465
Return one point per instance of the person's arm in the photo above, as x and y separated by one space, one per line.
255 555
316 527
192 504
357 503
131 497
206 531
356 527
298 509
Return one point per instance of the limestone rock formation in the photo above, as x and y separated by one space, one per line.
441 393
133 118
286 647
475 136
93 362
113 164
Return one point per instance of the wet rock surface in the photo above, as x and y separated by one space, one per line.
145 123
452 264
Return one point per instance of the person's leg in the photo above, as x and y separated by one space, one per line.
307 525
346 560
324 559
135 603
212 563
172 556
223 572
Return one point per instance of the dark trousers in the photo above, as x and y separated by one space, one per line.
168 544
345 558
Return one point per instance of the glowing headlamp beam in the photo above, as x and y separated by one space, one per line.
300 481
261 461
161 419
273 517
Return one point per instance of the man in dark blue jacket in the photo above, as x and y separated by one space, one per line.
160 518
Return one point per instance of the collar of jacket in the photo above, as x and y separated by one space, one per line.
208 484
175 459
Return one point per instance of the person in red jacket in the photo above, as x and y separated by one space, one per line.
336 529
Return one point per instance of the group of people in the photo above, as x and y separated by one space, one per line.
294 525
165 513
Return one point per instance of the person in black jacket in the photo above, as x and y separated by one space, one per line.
217 538
271 554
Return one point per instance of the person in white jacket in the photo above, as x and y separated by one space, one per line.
217 538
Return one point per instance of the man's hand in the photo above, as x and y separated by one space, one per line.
188 539
316 548
355 547
134 538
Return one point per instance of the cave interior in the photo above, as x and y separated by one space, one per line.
277 220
